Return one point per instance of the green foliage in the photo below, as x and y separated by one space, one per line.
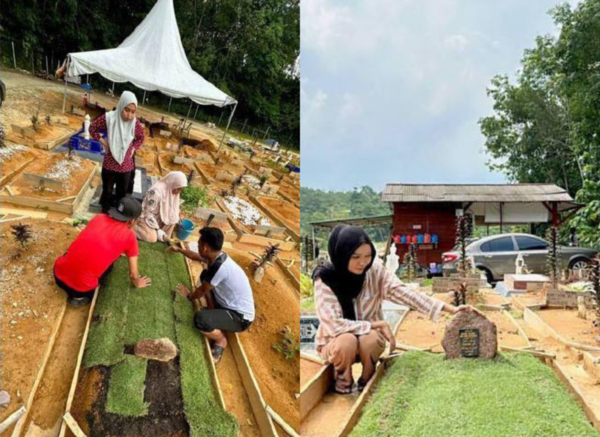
306 285
595 288
513 395
126 388
326 205
247 49
194 197
287 346
35 122
545 126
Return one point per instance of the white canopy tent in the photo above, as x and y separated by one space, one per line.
153 59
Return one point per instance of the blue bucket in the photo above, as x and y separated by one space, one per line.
185 228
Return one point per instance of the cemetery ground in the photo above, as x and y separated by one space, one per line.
53 354
545 380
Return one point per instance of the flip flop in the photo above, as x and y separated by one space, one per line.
342 387
217 353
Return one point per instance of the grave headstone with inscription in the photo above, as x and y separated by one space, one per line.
470 335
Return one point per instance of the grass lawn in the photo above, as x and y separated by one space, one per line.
124 315
514 395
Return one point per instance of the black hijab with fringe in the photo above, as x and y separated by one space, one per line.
343 242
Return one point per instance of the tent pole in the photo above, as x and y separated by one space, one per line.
196 113
227 127
170 100
113 89
65 93
144 98
189 110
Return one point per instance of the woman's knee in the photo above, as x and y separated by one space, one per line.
345 347
372 344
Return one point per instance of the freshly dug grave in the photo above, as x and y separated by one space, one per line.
277 306
148 159
194 153
72 173
284 211
31 304
15 159
44 134
167 165
512 395
290 191
125 315
571 327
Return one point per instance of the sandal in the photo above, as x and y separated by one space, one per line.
361 384
217 353
342 387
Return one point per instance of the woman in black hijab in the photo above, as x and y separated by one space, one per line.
349 294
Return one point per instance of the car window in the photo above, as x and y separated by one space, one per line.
529 243
502 244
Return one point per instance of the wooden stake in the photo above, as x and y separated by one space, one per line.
311 394
277 418
73 425
12 419
313 358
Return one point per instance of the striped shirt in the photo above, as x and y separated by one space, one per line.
109 163
379 285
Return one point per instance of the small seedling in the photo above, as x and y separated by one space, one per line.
410 262
217 160
224 193
267 257
595 288
552 257
2 136
48 120
263 180
288 346
459 297
22 234
191 176
35 121
463 232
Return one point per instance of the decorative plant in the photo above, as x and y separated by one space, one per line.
459 297
217 160
2 136
288 346
410 262
224 193
35 121
263 180
22 234
595 288
463 232
236 183
552 264
191 176
194 197
267 257
48 120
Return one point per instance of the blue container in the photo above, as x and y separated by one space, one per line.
78 142
434 238
185 228
420 238
403 239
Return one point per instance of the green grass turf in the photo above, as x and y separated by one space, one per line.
202 410
515 395
126 388
105 339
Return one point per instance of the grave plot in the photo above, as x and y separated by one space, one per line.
514 394
32 307
197 154
220 175
204 216
171 161
52 181
46 134
284 212
147 159
277 308
124 391
15 159
289 192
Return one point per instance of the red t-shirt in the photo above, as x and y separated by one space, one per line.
93 251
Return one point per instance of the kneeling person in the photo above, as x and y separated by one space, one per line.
233 306
89 258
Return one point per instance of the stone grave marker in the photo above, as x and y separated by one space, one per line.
470 335
269 231
40 181
210 215
182 160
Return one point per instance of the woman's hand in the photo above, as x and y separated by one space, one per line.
455 310
384 327
104 143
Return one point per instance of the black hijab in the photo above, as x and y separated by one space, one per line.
343 242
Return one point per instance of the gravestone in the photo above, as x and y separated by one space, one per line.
182 160
470 335
269 231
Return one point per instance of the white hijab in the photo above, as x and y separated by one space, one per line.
120 132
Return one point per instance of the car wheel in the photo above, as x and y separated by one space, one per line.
488 275
579 264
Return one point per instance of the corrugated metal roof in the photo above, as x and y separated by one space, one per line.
474 193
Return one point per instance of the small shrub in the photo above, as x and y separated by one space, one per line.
48 120
22 234
288 346
194 197
35 121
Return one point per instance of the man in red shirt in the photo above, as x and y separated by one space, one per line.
89 258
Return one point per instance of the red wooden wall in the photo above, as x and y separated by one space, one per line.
434 218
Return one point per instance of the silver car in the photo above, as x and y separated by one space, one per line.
496 255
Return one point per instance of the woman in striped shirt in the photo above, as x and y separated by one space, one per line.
349 293
124 135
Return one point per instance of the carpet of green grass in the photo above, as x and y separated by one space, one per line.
105 339
202 410
126 388
126 315
422 395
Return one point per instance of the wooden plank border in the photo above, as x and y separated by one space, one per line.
520 329
289 274
311 394
7 178
19 427
268 213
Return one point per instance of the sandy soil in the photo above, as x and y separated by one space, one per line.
308 369
17 161
284 211
569 326
31 304
277 306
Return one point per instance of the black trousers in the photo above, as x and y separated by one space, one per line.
224 319
109 180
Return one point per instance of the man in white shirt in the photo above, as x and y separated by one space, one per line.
231 307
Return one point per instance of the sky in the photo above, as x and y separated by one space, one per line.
392 90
